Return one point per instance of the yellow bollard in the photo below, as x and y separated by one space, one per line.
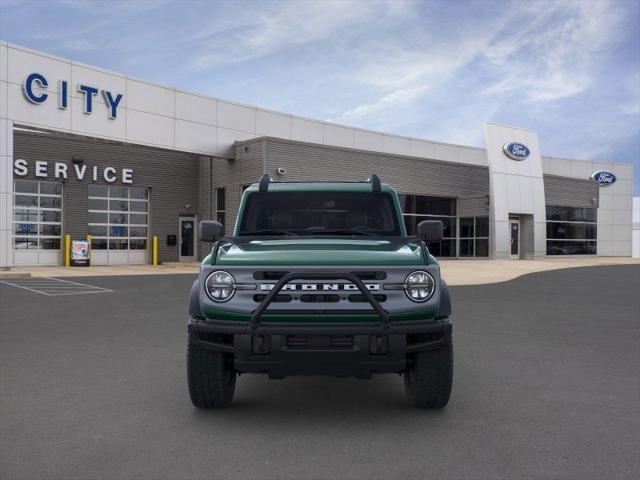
155 251
67 250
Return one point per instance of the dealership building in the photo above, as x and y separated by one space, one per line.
89 152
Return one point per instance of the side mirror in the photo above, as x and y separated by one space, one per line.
430 230
211 231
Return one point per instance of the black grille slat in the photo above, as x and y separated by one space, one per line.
280 298
342 341
320 341
319 298
297 341
373 275
269 275
359 298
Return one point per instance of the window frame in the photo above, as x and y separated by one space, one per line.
38 237
474 238
128 225
576 241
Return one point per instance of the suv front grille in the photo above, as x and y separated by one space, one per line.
275 275
319 298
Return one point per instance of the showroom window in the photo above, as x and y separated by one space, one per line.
37 215
572 231
474 236
118 217
220 205
417 208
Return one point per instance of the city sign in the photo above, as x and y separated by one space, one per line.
35 87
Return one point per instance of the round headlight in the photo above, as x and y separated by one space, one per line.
419 286
220 286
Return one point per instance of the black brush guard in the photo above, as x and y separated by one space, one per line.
288 278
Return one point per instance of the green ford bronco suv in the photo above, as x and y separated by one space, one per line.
320 278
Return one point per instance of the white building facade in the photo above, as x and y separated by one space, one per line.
85 151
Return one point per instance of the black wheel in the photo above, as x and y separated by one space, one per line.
429 376
211 377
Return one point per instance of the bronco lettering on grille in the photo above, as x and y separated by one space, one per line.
320 287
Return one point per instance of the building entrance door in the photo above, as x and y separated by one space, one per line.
515 239
187 239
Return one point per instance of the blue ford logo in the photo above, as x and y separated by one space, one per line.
603 178
516 151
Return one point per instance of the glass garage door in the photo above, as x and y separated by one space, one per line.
37 223
118 219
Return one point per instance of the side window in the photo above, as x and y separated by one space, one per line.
221 206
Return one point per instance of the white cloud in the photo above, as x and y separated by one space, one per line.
539 52
553 55
280 26
395 100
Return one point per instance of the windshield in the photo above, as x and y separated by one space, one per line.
319 213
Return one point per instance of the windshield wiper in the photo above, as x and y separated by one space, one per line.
268 231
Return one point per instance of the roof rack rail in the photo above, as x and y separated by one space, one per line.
264 183
374 180
375 183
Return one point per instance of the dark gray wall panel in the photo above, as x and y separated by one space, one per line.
308 161
205 207
171 176
475 206
570 192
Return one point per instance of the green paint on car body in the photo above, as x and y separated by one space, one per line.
321 251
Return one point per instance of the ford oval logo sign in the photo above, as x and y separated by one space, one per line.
603 178
516 151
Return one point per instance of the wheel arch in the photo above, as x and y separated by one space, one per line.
444 310
194 299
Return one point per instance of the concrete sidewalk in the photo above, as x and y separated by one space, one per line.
455 272
479 272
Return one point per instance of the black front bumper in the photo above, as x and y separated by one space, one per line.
335 349
347 349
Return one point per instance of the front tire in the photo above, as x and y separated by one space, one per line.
211 377
429 376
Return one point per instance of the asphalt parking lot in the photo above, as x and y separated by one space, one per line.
547 385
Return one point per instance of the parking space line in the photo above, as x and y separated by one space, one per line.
54 287
83 284
23 287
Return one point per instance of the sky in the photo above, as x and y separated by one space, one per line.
568 69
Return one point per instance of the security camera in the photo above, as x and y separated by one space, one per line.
282 171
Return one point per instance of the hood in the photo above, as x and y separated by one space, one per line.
321 251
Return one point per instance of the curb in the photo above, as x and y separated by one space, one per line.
13 275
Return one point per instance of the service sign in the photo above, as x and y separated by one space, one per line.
80 251
516 151
603 178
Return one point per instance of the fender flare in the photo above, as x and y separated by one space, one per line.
194 299
444 311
